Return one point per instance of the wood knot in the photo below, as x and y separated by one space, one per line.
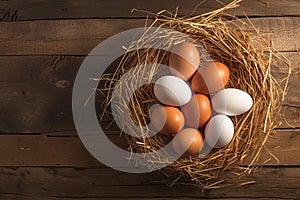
62 84
25 148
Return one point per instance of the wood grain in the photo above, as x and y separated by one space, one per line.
22 197
78 9
43 43
68 151
32 101
79 37
108 183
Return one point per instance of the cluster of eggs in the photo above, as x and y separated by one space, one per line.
191 116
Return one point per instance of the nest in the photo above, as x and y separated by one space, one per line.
249 56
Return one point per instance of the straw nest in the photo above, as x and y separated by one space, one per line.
249 56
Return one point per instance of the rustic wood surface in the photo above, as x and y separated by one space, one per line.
43 43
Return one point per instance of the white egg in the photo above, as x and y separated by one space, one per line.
173 91
231 101
219 131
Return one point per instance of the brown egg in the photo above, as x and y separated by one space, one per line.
197 111
167 120
189 138
184 61
210 78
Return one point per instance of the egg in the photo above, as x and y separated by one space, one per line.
197 111
231 101
219 131
166 119
189 141
173 91
210 78
184 60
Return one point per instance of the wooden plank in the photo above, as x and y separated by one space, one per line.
89 183
43 150
22 197
79 37
285 31
38 114
289 117
35 9
280 72
38 150
34 108
281 149
33 100
66 37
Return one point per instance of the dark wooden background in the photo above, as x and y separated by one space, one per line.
42 44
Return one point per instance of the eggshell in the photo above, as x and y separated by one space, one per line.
210 78
166 119
173 91
197 111
219 131
231 101
184 60
189 141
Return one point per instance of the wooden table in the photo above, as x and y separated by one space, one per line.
42 45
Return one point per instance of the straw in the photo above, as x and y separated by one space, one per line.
250 57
